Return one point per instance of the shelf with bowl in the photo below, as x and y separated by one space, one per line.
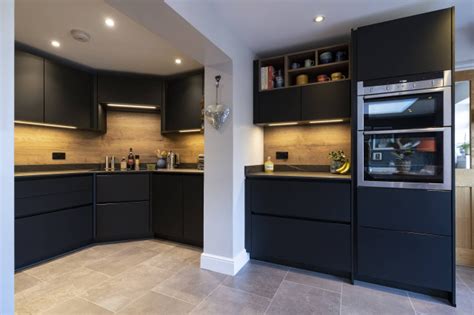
321 69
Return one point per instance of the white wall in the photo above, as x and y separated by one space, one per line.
6 156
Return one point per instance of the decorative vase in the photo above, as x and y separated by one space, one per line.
279 80
334 166
403 166
161 163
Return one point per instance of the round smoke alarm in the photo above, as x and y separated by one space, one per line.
80 36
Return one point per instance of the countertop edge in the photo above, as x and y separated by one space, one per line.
301 175
102 172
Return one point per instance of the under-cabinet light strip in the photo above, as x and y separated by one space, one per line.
132 106
21 122
189 130
327 121
283 124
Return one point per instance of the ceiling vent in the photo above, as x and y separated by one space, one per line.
80 36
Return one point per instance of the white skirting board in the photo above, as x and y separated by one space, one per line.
228 266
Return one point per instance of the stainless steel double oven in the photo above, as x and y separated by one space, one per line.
404 133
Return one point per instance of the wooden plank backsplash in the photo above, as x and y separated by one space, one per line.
307 145
141 131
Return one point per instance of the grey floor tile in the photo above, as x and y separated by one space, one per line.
175 258
77 306
467 276
368 299
315 279
294 298
157 304
157 245
119 291
191 284
24 281
225 300
258 278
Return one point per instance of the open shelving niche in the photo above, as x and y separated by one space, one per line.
283 63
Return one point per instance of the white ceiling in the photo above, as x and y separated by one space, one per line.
274 26
127 47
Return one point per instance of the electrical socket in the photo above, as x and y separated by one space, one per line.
59 155
282 155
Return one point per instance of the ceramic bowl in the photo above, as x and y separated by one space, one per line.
326 57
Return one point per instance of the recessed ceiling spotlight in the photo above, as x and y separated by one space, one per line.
55 43
109 22
178 61
319 18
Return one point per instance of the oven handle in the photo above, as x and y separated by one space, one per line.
418 130
424 91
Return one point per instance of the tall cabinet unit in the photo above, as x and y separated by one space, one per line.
405 234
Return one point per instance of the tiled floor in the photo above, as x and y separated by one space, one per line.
156 277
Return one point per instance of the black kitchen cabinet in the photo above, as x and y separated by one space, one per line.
167 206
122 88
326 101
302 243
47 235
419 260
182 106
125 220
68 95
177 202
412 45
122 187
29 87
193 208
280 105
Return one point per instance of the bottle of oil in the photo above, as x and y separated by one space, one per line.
268 165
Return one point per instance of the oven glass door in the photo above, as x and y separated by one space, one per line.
417 158
406 110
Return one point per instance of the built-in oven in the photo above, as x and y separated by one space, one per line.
405 158
405 105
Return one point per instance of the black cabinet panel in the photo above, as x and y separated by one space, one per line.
415 259
68 95
48 203
279 105
412 45
46 186
326 101
44 236
182 108
119 221
29 87
167 205
420 211
302 199
193 208
300 242
129 89
123 187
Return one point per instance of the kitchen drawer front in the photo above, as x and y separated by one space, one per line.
49 186
420 211
123 187
300 242
415 259
119 221
302 199
47 235
48 203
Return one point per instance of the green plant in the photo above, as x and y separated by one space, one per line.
464 148
338 156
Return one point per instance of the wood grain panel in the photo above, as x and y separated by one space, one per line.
141 131
464 217
307 145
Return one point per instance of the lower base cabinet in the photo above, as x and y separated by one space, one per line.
127 220
404 257
47 235
311 244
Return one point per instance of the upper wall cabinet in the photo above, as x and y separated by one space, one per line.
29 84
304 87
412 45
68 95
129 89
183 97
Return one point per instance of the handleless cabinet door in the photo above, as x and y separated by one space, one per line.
326 101
279 105
29 87
68 95
193 212
167 205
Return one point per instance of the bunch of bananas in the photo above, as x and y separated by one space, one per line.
345 168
